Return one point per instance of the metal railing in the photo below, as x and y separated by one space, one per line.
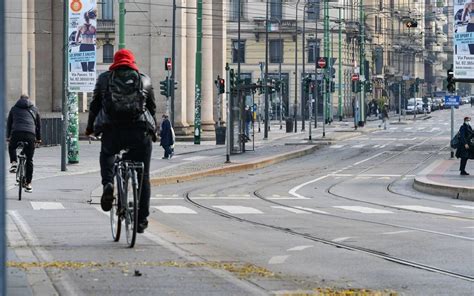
51 131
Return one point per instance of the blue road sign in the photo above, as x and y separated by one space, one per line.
451 101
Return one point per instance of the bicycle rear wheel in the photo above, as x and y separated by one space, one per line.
131 213
115 211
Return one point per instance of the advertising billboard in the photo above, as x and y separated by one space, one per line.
82 45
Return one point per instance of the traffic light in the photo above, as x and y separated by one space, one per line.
417 85
451 83
220 85
356 86
232 79
332 87
411 24
165 87
368 86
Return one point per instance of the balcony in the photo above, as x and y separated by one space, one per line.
287 26
105 26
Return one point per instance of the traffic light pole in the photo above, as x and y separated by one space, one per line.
64 119
303 74
400 102
228 125
197 100
295 107
328 66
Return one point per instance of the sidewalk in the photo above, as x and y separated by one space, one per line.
442 178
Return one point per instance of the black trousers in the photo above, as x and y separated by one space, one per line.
168 150
29 151
139 144
87 66
462 167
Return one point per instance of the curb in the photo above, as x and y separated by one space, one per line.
234 168
423 184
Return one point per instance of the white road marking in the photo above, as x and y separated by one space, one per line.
341 239
376 146
278 259
296 211
408 128
193 158
364 210
465 207
300 248
239 210
312 210
394 128
36 205
469 227
294 189
383 146
175 210
336 146
358 146
165 198
367 159
398 232
283 198
427 209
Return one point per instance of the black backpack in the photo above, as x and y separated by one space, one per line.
124 99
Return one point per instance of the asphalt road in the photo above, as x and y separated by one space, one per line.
345 217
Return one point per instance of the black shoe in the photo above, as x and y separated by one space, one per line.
142 226
464 173
107 197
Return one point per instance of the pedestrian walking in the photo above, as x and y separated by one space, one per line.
248 122
122 110
166 137
384 116
465 148
23 125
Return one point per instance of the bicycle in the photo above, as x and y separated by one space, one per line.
126 199
21 169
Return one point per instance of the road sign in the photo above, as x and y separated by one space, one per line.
322 63
451 101
168 64
355 77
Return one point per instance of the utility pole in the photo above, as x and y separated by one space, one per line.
303 75
265 132
122 12
173 60
239 93
362 63
295 107
3 253
326 54
65 88
197 101
339 71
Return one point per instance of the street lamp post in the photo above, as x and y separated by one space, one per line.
303 74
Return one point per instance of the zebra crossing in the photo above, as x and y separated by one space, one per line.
368 146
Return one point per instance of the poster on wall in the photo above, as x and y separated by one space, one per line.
82 45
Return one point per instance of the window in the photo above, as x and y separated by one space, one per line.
236 53
108 53
276 9
313 9
313 45
276 51
107 9
234 10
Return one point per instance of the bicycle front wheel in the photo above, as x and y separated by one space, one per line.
131 214
20 179
115 211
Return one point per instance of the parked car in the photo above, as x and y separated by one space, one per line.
414 105
466 100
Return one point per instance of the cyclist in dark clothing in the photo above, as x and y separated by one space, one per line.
23 125
135 134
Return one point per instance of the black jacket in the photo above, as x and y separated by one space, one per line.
99 121
24 117
465 136
166 136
